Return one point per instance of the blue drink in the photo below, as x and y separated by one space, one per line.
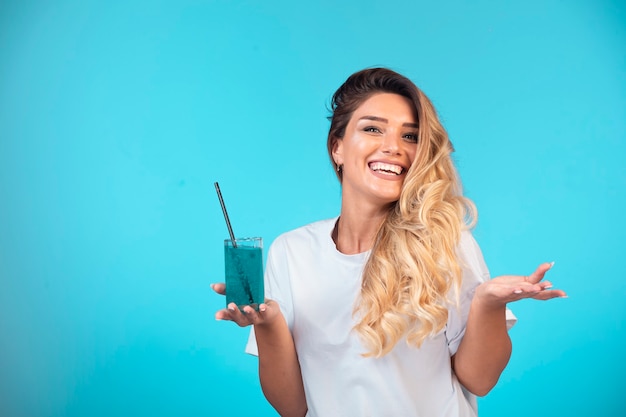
244 272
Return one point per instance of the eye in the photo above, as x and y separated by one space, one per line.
410 137
371 129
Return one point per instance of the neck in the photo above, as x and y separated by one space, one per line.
355 231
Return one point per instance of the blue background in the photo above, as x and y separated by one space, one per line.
117 117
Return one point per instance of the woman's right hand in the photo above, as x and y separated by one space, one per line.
267 313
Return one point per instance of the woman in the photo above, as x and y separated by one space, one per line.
387 310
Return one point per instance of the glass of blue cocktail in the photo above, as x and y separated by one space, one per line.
243 261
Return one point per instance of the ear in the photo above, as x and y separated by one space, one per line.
338 151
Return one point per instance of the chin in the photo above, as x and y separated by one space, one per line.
389 199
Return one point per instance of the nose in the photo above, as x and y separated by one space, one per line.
391 144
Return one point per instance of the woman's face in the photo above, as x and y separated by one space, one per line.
378 147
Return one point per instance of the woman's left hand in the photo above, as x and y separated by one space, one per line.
501 290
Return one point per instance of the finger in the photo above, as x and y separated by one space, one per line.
251 314
229 313
526 290
219 287
238 316
538 291
223 314
539 273
550 294
258 316
545 285
527 287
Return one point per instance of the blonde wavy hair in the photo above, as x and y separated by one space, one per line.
413 267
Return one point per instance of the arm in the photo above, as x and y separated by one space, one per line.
279 369
486 347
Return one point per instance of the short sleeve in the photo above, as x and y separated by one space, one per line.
277 287
474 272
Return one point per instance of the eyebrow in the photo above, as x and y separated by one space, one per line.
383 120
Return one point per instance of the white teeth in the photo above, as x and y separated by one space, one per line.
389 168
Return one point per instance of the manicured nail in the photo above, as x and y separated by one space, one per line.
551 264
547 287
262 308
518 292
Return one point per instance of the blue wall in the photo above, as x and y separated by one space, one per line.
116 117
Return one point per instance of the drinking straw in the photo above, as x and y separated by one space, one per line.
230 228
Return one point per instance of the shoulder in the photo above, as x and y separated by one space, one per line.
302 247
307 234
467 242
471 256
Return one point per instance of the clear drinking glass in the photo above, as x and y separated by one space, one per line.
243 261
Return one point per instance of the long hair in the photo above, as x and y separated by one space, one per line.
413 267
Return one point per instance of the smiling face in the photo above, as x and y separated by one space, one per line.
377 149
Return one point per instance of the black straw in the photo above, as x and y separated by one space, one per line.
230 228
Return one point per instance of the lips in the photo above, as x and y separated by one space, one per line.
386 168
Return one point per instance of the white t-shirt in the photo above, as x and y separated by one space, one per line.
316 286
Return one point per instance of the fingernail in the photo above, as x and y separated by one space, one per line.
551 264
518 292
564 296
262 308
547 287
231 308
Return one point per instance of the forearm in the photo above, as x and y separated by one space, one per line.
485 349
279 369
